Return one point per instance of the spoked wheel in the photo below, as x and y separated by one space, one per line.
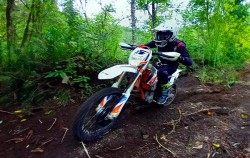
92 122
171 95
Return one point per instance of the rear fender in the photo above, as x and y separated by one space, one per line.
115 71
174 76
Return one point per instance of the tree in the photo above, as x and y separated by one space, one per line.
152 6
215 32
27 32
10 29
133 20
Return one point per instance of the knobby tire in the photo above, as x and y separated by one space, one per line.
88 130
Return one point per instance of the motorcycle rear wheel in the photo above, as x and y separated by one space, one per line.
171 95
89 124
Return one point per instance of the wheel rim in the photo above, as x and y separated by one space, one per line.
171 95
94 121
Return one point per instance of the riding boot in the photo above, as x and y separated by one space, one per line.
164 94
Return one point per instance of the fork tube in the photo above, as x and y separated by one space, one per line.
125 96
117 83
118 108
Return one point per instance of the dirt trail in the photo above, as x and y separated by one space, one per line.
215 122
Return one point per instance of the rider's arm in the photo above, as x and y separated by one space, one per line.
184 58
150 45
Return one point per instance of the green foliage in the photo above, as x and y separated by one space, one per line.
82 81
49 112
51 36
216 34
226 75
142 36
57 73
156 10
104 35
57 52
63 97
69 75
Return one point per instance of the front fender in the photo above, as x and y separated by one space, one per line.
115 71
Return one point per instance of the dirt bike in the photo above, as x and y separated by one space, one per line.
99 113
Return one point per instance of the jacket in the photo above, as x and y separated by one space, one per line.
175 46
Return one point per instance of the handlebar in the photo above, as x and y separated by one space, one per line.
130 46
163 55
127 46
173 56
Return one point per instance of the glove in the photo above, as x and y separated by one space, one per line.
141 45
181 59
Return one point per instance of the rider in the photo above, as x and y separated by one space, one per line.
166 41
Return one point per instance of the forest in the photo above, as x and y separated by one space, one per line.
53 53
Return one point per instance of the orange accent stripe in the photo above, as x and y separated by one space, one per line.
102 102
120 76
142 94
143 62
141 70
116 109
137 81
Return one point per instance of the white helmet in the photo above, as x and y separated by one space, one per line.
165 32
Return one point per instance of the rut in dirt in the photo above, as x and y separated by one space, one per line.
203 121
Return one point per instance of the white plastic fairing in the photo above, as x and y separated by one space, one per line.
174 76
115 71
173 56
137 56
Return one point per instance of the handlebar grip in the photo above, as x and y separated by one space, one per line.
130 48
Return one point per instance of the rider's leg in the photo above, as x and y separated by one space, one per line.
163 73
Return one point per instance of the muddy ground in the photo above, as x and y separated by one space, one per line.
204 121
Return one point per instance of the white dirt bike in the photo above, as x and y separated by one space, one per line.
99 113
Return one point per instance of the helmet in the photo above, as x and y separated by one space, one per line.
165 32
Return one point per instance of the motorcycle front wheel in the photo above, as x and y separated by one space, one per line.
91 123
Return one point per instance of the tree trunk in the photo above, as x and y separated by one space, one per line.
84 10
207 16
26 31
153 18
133 20
10 29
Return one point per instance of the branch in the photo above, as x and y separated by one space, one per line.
150 15
155 137
52 124
2 36
119 20
175 122
6 112
84 10
66 130
85 149
207 109
25 4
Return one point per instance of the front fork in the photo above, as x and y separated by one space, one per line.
100 107
119 106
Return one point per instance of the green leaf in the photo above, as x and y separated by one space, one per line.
80 79
57 73
63 74
49 112
49 75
